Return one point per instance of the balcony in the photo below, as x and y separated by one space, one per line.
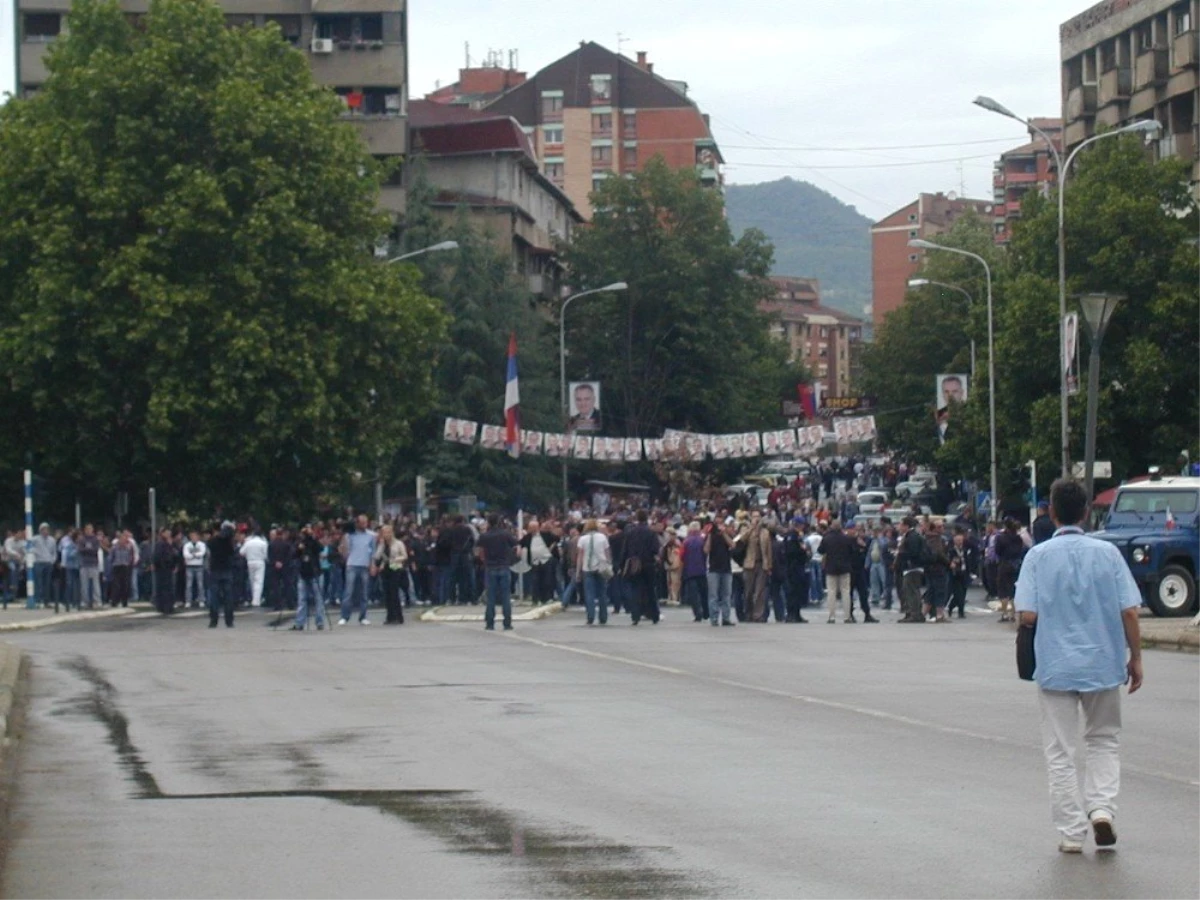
1185 50
369 65
1115 85
1076 133
1081 102
1150 69
1182 145
383 135
1021 178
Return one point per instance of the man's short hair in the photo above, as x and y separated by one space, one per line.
493 521
1068 501
640 515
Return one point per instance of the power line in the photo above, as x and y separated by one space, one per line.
890 165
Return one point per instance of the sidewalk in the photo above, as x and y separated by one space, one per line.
18 618
1169 634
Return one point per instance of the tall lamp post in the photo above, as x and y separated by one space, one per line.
923 282
1145 126
987 271
433 248
562 360
1097 311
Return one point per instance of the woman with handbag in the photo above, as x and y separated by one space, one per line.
389 561
594 567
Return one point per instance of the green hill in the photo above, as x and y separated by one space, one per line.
815 235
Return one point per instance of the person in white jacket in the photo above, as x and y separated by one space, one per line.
254 551
194 553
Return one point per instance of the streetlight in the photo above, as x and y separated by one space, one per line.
1142 126
1097 310
987 270
562 360
922 282
435 248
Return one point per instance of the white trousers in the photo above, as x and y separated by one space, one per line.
258 570
1069 808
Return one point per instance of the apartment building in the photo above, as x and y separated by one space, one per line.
359 48
827 341
477 86
1134 59
485 165
1020 170
595 114
893 262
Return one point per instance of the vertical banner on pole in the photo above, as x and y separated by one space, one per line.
1070 358
30 599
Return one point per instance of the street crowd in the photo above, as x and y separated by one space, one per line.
730 559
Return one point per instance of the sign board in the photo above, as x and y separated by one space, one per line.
849 403
790 409
1099 470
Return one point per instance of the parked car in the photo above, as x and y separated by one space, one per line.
1156 526
873 503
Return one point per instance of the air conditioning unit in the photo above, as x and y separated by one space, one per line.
322 45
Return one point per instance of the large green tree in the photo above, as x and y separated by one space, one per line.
686 345
188 297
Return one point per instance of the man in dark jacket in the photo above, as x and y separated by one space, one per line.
1042 528
165 562
910 567
641 550
860 581
221 552
795 561
837 552
281 554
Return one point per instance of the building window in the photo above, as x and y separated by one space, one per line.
912 258
824 331
554 171
370 28
42 27
336 28
601 90
289 27
552 107
912 233
552 134
602 155
629 125
1183 19
239 20
912 217
393 166
602 123
629 157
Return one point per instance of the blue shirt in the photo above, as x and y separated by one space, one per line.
362 545
1078 586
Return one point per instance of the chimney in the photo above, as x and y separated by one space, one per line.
641 60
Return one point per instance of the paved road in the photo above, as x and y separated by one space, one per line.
165 759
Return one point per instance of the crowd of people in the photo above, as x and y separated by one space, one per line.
735 559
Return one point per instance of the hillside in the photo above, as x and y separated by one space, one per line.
814 233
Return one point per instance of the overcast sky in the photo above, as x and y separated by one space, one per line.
785 79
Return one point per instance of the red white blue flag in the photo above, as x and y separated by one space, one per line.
512 402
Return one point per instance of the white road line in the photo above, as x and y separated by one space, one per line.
828 704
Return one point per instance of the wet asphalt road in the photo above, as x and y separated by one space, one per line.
163 759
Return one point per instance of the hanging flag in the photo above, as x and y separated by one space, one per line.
1170 520
807 401
512 402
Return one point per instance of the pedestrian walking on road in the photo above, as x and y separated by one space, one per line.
837 551
497 548
910 566
1081 597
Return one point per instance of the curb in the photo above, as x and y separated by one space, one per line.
1183 642
538 612
64 618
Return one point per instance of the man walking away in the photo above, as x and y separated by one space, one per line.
496 547
45 552
88 546
695 573
194 553
220 565
910 566
1043 528
937 571
124 563
757 567
308 592
837 550
641 549
1079 593
717 546
795 559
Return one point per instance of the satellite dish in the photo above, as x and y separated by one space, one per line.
951 195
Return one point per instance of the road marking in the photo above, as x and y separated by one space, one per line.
828 704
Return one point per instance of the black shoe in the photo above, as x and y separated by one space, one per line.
489 627
802 621
212 624
297 628
871 619
635 621
730 624
508 628
850 618
962 615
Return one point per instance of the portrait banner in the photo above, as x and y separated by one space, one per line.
460 431
531 442
787 442
751 443
492 437
557 445
581 446
653 448
633 449
583 409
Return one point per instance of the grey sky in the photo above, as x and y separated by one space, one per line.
778 75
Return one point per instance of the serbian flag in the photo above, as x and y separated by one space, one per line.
1170 520
807 400
512 402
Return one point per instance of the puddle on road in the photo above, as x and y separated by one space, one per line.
549 860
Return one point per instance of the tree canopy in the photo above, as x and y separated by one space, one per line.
188 294
1131 229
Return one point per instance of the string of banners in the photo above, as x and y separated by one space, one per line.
681 445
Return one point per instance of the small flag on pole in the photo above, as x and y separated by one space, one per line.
1170 519
512 402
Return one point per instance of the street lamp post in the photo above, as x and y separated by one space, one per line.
922 282
1097 311
562 361
1147 126
434 248
987 271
